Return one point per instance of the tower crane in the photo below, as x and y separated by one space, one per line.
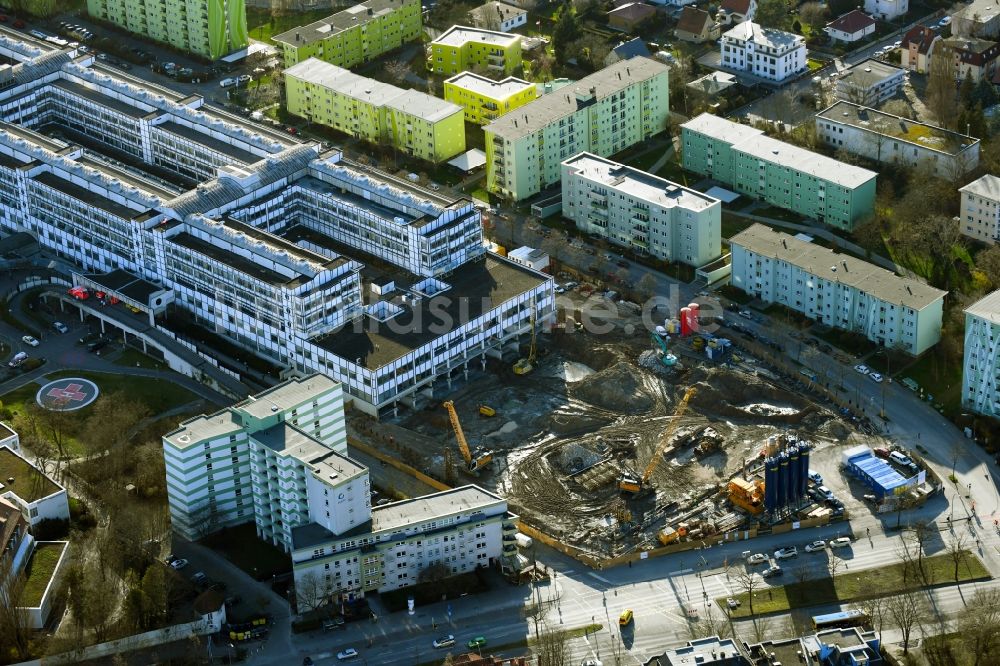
474 460
525 365
629 483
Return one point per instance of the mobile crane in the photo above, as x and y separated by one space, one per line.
474 460
629 483
525 365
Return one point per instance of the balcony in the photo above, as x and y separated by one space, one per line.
509 527
495 59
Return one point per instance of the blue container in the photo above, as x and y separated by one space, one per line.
794 470
771 484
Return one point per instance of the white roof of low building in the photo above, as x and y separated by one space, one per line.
748 31
836 267
457 35
720 128
371 91
987 307
642 185
399 515
987 186
488 87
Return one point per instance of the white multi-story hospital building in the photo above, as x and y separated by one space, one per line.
286 247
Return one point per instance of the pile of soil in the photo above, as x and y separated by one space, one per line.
618 388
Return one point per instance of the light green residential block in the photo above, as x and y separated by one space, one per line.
355 35
783 175
209 28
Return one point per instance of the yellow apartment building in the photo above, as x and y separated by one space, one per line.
462 48
414 122
485 100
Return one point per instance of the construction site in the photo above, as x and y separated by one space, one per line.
630 439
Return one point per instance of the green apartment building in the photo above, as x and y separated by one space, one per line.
413 121
783 175
209 28
604 113
354 35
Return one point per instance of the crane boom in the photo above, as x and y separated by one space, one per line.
668 434
459 434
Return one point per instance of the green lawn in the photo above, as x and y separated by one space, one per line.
813 65
262 26
40 569
241 546
779 214
134 358
854 586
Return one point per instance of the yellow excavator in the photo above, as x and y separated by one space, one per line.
629 483
474 460
525 365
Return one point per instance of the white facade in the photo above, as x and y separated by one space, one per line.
250 230
981 362
458 530
637 210
279 458
837 290
34 492
533 258
877 136
886 10
979 212
9 438
870 83
499 16
764 52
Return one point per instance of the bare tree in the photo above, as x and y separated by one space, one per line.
397 71
956 552
761 628
552 647
749 582
711 625
907 610
434 573
979 626
876 608
941 97
311 593
899 107
15 633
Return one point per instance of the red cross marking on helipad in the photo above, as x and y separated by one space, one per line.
71 392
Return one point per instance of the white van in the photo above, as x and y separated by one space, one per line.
900 459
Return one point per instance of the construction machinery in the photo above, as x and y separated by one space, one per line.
629 483
659 338
747 495
486 410
525 365
474 460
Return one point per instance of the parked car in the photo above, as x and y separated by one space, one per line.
875 377
444 641
732 603
786 553
227 83
244 79
476 643
816 546
772 571
199 578
757 558
349 653
862 368
333 623
945 21
746 314
815 477
825 492
179 564
59 326
19 358
30 341
97 345
840 542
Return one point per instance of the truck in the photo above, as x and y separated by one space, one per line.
523 540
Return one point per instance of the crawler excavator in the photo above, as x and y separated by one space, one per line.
525 365
631 484
474 460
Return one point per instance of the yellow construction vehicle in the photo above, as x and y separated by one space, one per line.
629 483
525 365
747 495
486 410
474 460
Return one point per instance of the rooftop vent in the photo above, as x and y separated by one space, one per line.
868 69
833 269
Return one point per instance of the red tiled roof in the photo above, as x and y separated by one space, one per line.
852 22
921 36
693 20
740 7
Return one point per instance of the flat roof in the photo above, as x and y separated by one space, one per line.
720 128
28 483
638 183
152 187
202 427
814 164
83 194
99 98
488 87
910 131
122 282
235 260
457 35
407 512
348 18
839 268
286 395
558 104
987 186
476 287
979 11
346 82
210 142
869 73
288 440
987 307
